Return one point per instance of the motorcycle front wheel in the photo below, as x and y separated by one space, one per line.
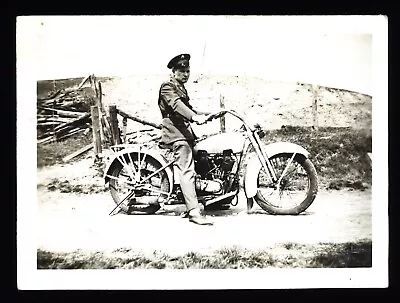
296 190
144 201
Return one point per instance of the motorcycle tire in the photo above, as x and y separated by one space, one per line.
300 167
159 182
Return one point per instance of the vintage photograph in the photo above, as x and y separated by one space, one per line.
157 148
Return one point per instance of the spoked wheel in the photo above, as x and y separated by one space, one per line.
127 175
296 190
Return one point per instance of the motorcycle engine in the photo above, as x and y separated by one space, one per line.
209 186
214 172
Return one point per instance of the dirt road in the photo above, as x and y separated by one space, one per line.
69 222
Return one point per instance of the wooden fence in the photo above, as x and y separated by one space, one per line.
116 134
66 112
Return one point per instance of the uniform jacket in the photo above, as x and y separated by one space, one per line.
176 112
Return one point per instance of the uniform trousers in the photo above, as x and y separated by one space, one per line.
184 164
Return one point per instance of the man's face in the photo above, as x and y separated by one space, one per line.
182 74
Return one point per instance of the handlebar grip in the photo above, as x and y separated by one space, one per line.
215 116
210 117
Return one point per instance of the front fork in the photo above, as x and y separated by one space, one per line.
262 156
255 140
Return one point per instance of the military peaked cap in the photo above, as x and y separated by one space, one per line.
179 61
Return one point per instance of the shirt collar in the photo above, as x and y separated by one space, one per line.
177 82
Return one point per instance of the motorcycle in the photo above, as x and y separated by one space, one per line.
279 176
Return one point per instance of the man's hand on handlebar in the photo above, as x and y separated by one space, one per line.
200 119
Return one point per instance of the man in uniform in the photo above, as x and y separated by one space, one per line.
177 134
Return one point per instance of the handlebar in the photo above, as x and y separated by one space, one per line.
227 111
216 115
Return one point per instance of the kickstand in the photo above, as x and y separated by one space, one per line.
118 205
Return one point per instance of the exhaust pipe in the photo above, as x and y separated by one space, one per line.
228 195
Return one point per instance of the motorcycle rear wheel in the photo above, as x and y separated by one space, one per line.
142 202
297 189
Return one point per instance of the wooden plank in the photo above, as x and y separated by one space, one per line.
52 119
75 122
64 113
70 89
73 89
96 129
48 124
65 105
83 81
222 118
46 116
46 140
126 115
78 152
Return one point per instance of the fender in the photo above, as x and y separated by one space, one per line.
135 149
254 165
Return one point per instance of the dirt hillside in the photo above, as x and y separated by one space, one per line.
269 103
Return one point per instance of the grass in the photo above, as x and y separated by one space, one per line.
53 153
338 154
351 255
65 186
286 255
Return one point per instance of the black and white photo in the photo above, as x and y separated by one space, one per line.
243 152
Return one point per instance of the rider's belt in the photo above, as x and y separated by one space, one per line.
170 116
166 115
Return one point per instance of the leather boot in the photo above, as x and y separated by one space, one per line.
196 217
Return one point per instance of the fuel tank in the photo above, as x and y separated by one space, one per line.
218 143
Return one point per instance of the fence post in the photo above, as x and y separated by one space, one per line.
315 106
222 119
106 131
124 125
96 130
94 85
99 95
100 106
114 125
